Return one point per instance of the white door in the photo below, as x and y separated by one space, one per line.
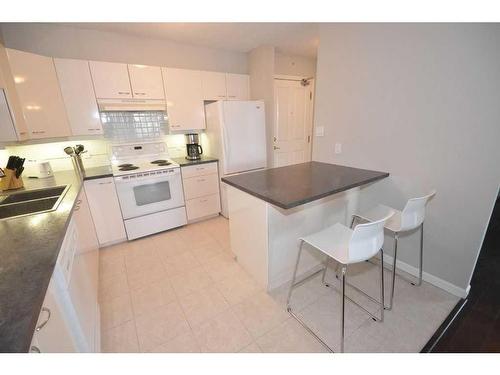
111 80
78 95
293 122
184 92
238 86
39 93
214 85
146 82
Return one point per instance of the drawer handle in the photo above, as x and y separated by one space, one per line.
104 183
38 131
139 93
203 200
34 349
201 180
93 129
123 92
232 96
43 324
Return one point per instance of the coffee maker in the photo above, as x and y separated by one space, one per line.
193 147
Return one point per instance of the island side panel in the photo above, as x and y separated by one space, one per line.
287 226
248 227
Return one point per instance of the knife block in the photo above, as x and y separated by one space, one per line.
10 181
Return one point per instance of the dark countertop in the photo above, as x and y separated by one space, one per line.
29 247
183 162
294 185
98 172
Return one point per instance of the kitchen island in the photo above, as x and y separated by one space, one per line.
271 209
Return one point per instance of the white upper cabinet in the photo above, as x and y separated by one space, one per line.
238 86
214 85
78 95
111 80
146 82
39 93
184 93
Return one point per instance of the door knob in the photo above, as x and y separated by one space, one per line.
276 148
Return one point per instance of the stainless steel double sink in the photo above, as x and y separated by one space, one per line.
31 202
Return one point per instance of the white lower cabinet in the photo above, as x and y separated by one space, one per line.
201 190
69 319
105 209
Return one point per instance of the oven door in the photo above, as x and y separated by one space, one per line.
149 192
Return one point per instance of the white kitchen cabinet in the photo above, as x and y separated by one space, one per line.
78 95
201 190
39 93
111 80
7 128
53 332
146 82
238 86
214 85
105 209
184 93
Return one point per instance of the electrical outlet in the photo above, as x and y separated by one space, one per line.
320 131
338 148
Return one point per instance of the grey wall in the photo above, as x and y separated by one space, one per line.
294 65
421 101
261 69
70 42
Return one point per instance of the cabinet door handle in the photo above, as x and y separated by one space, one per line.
232 96
104 183
201 180
34 349
139 93
44 323
38 132
124 92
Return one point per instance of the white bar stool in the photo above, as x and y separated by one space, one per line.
346 246
410 218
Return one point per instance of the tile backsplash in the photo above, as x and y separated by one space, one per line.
136 126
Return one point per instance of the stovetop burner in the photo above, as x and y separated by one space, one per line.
161 162
125 165
128 167
164 164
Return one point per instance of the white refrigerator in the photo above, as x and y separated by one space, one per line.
236 132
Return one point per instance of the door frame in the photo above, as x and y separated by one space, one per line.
312 79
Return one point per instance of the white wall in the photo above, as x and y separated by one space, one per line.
420 101
293 65
71 42
261 70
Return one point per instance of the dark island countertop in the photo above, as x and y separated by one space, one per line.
294 185
29 247
183 162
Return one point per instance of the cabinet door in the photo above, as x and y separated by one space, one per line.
146 82
39 93
7 129
78 95
111 80
53 332
238 86
105 209
185 107
83 285
214 85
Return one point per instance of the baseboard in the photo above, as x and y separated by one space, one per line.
431 279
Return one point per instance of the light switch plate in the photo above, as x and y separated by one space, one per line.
320 131
338 148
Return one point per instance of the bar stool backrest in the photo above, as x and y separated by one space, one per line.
367 239
414 212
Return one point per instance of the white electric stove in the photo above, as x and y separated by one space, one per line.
149 188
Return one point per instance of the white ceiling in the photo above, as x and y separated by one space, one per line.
293 38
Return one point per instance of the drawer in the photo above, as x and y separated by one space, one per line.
199 170
201 207
195 187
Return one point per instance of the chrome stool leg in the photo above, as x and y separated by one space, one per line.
382 304
327 261
391 297
294 276
342 325
421 268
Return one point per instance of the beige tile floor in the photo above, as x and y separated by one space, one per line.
182 291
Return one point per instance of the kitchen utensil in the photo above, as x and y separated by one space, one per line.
69 150
79 149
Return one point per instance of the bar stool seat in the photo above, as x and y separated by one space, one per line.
346 246
394 222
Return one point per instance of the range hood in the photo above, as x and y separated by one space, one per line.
135 105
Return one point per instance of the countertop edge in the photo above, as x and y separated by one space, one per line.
304 201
